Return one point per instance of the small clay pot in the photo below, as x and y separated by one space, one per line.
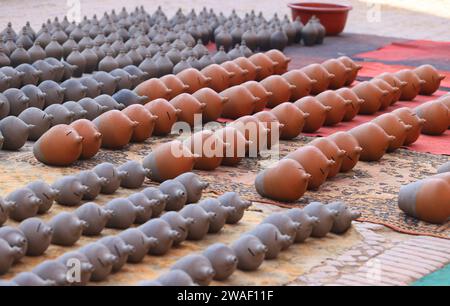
189 107
153 193
141 200
233 199
101 258
146 122
68 259
317 113
222 259
177 194
291 117
167 115
349 63
110 83
239 74
26 204
38 235
117 101
281 59
54 94
306 222
372 96
409 117
94 183
95 216
71 190
135 174
92 138
92 108
338 106
116 129
221 213
45 193
273 125
280 88
162 231
169 160
52 270
285 225
250 252
321 75
394 82
194 79
16 240
303 84
112 175
266 63
153 89
59 146
118 248
202 220
18 101
60 114
126 80
74 107
432 79
272 238
246 64
15 132
348 143
208 147
241 102
5 208
393 126
214 103
340 71
31 76
139 241
414 84
123 213
437 117
373 140
286 181
198 267
238 145
220 77
353 108
344 219
179 224
38 119
326 216
259 91
36 96
67 228
254 132
74 90
193 185
332 152
175 85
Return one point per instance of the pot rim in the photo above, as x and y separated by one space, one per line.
323 7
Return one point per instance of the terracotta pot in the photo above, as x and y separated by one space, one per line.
315 163
338 106
321 75
213 101
260 92
220 77
373 140
92 138
446 100
254 132
317 113
330 149
241 102
340 71
414 84
153 89
292 118
266 63
146 122
175 84
394 82
389 99
348 143
279 87
372 96
437 117
252 69
273 126
349 63
409 117
194 79
352 109
240 75
208 147
286 181
116 128
189 107
432 79
393 126
169 160
59 146
236 150
282 60
303 84
167 115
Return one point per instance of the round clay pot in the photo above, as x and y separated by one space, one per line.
92 138
437 117
352 109
317 113
373 140
292 118
121 99
259 91
340 71
153 89
303 84
325 215
189 107
349 63
273 126
330 149
213 101
198 267
279 87
223 260
315 163
239 74
194 186
194 79
208 147
233 153
250 252
246 64
15 132
414 84
266 63
241 102
281 59
254 132
286 181
348 143
40 120
176 86
168 161
393 126
74 90
116 129
272 238
372 96
306 222
166 115
110 83
432 79
409 117
338 106
92 108
146 122
220 77
392 92
36 96
394 82
321 75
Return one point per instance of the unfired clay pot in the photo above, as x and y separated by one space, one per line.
198 267
332 152
326 216
71 190
122 98
280 88
241 102
146 122
233 153
321 75
26 204
432 79
95 217
285 225
193 185
373 140
36 96
372 96
202 219
437 117
116 129
118 248
123 213
176 192
306 222
18 101
101 258
233 199
259 91
74 90
266 63
67 228
412 89
94 183
92 108
161 230
113 176
213 103
272 238
15 132
7 256
60 114
153 193
344 219
153 89
179 224
348 143
303 84
222 259
16 239
252 69
194 79
5 208
189 107
221 213
250 252
76 108
282 60
141 200
136 174
353 108
174 84
70 259
286 181
349 63
340 71
140 242
393 126
92 138
167 115
317 113
52 270
38 119
38 235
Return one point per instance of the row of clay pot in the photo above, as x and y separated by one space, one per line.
274 234
154 237
428 199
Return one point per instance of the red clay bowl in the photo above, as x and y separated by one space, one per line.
332 16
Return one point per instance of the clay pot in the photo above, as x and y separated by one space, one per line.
141 200
437 117
118 248
95 217
116 129
250 252
38 235
59 146
121 99
254 132
153 193
332 152
5 208
414 84
241 102
60 114
71 190
86 270
162 231
31 76
426 200
213 101
198 267
373 140
94 183
179 224
271 237
372 96
123 213
348 143
67 229
353 108
266 63
153 89
393 126
338 106
189 107
146 122
92 138
177 194
175 84
202 220
4 106
167 115
52 271
306 222
344 219
303 84
220 77
234 200
291 117
286 181
77 59
392 92
246 64
194 79
74 90
281 59
18 101
220 57
126 80
222 259
92 108
54 94
279 87
326 216
31 279
409 117
318 169
15 132
239 74
26 204
273 126
169 160
432 79
285 225
112 175
135 174
321 75
110 83
233 153
208 147
220 213
16 239
317 113
340 71
93 87
394 82
259 91
38 119
74 107
139 241
101 259
349 63
36 96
